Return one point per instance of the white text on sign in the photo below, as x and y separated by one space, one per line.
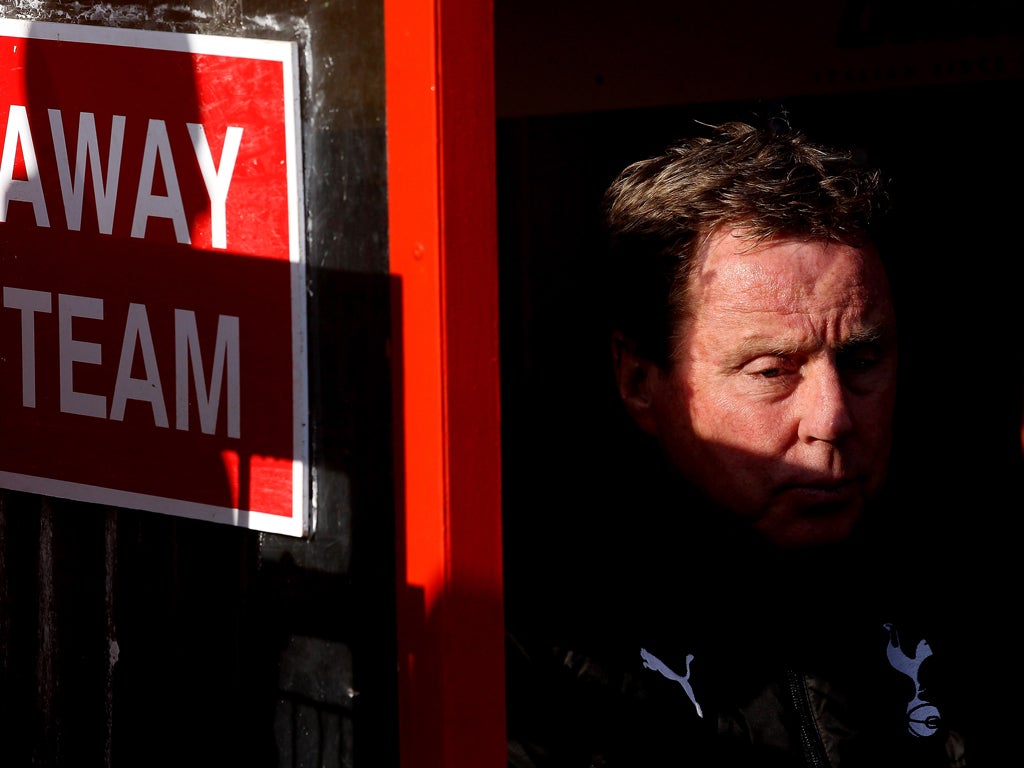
148 203
137 340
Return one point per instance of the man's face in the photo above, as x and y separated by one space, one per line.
778 403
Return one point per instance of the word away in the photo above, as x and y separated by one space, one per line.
148 203
137 339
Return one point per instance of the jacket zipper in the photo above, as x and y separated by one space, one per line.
810 742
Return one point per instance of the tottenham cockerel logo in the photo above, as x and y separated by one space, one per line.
923 717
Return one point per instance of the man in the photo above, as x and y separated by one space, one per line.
769 614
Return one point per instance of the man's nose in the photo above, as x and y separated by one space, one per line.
824 413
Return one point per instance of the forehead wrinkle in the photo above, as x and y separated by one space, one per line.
780 346
829 301
779 297
747 278
842 326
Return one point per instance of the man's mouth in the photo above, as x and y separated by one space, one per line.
818 493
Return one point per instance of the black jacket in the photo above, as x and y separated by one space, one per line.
710 649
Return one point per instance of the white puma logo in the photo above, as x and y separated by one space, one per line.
922 717
653 662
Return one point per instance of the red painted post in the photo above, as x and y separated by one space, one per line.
443 255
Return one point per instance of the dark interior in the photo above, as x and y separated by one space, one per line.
931 92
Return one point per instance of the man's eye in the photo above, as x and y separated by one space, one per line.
858 359
768 367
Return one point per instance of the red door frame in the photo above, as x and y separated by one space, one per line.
439 65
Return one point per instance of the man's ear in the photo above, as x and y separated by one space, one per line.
635 377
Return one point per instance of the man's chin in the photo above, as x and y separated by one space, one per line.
816 526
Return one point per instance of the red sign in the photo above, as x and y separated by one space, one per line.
152 276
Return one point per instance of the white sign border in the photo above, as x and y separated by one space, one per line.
286 52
